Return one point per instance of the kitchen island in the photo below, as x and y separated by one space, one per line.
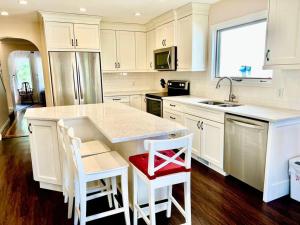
121 127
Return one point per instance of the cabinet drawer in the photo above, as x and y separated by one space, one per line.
208 114
174 116
121 99
173 106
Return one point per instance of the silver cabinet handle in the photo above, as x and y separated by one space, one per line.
151 65
248 125
72 42
116 99
172 105
29 128
198 125
119 65
201 125
76 42
116 65
162 42
173 118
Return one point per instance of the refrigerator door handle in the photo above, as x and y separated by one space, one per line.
74 84
79 84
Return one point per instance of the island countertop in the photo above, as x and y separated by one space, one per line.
116 121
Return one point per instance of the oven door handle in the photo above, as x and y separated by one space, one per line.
154 99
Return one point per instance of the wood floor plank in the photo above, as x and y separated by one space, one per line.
215 199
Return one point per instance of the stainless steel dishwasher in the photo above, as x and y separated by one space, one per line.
245 149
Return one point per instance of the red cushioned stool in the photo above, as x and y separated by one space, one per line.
163 168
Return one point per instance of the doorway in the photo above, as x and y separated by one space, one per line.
24 73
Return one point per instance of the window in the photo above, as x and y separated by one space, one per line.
240 51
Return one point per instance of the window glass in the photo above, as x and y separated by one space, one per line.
240 51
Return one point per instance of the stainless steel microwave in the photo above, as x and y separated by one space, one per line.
165 59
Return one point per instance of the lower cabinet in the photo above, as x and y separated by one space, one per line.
193 124
136 101
45 154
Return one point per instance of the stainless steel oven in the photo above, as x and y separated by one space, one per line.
165 59
154 106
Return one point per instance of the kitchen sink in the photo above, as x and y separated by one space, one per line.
220 104
211 102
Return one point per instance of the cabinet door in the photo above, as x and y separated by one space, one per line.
212 142
150 49
108 50
87 36
136 101
126 50
184 45
283 37
193 125
140 50
165 35
59 35
45 152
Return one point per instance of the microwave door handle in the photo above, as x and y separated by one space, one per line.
168 60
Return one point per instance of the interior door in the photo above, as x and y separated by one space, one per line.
108 50
126 50
87 36
64 79
89 77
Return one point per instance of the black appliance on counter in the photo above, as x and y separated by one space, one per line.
154 101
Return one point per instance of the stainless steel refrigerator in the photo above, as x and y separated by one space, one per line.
76 78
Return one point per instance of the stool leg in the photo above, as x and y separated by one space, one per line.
108 188
124 181
76 216
82 203
151 196
169 205
187 202
115 191
135 198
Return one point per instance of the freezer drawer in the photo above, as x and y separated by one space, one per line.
245 149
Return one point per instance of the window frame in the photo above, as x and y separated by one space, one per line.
237 22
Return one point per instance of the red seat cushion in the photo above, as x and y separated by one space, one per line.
141 163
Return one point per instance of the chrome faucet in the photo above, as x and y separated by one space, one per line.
231 95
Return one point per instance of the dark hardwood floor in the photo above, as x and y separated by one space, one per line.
215 199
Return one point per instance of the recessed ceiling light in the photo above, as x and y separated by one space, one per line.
82 9
23 2
4 13
138 14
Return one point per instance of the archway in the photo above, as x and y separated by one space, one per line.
23 78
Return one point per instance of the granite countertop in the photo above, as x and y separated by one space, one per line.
122 93
116 121
257 112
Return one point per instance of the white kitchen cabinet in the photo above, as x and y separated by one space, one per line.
45 154
140 51
212 142
120 99
108 50
165 35
193 125
86 36
126 50
192 32
64 36
174 116
59 35
150 49
136 101
283 34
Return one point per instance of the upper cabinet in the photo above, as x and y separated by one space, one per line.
283 37
118 50
141 51
192 32
71 32
150 49
165 35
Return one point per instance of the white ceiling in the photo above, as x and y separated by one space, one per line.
112 10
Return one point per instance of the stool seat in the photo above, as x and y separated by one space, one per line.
141 163
92 148
104 162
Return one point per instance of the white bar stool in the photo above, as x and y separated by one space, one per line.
87 149
163 168
94 168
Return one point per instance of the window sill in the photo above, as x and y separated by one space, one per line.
247 82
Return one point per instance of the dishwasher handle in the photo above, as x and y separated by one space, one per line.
244 124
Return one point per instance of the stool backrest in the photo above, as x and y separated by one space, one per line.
182 144
75 144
